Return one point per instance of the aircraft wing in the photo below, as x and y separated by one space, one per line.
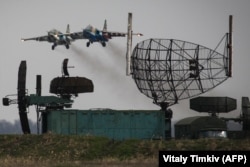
115 34
80 35
119 34
110 34
42 38
76 35
51 38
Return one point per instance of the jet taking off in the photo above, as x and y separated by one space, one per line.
90 33
56 37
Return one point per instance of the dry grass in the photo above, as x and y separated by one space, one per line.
107 162
74 151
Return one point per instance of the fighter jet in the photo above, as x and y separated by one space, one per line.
90 33
56 37
102 36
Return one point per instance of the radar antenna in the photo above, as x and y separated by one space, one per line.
65 67
168 70
21 97
65 87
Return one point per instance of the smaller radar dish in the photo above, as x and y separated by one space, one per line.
213 105
67 86
65 67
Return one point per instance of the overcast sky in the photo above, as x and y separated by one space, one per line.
199 21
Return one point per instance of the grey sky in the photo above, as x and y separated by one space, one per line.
199 21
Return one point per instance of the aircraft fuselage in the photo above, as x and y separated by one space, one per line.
58 38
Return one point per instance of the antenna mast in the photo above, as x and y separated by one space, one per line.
129 44
230 44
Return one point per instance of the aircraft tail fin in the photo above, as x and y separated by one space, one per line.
105 26
68 29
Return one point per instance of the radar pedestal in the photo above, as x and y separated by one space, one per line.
168 116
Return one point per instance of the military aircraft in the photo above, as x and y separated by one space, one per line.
56 37
90 33
95 35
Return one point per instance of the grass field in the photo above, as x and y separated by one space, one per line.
62 151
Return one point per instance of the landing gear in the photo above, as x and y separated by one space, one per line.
103 44
67 46
53 46
88 43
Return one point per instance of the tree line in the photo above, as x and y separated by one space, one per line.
7 127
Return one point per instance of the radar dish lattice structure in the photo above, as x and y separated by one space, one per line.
168 70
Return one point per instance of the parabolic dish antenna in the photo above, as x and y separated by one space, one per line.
168 70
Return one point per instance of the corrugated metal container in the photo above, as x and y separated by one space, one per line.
115 124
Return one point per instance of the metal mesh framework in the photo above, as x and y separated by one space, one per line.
168 70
